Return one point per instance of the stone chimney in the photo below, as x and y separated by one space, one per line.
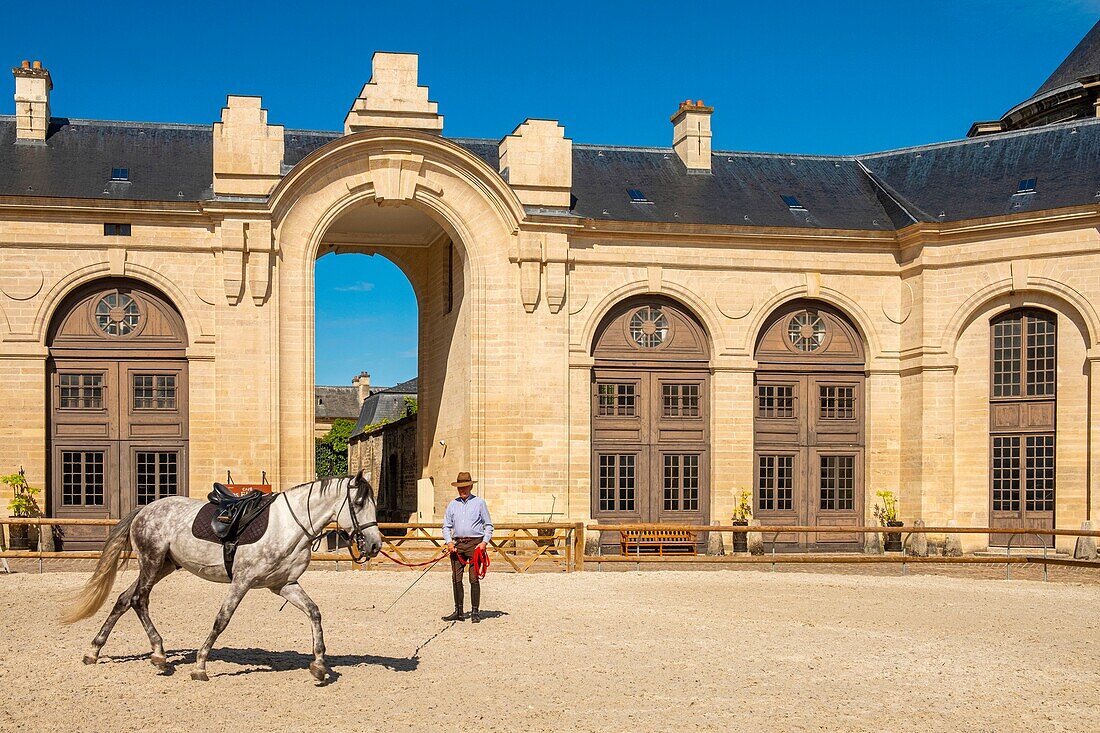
691 135
363 383
248 152
32 101
393 97
537 161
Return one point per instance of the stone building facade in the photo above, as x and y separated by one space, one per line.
384 443
388 453
622 333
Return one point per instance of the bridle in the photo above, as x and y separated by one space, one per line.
355 547
356 536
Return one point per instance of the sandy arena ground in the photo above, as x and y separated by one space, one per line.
624 651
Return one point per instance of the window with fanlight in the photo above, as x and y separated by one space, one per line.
649 327
806 331
117 314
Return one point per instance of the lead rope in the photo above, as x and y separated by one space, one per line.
480 561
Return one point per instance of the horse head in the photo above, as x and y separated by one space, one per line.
361 515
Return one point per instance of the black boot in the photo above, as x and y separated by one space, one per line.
475 601
457 615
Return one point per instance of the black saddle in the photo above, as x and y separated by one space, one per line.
233 516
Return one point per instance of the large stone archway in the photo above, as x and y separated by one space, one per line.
479 216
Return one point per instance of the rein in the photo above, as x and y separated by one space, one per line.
356 537
355 547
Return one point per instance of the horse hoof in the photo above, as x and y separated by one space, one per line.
90 659
199 675
159 661
319 671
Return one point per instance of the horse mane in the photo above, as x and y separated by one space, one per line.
326 482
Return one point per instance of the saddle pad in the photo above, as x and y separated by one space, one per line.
252 533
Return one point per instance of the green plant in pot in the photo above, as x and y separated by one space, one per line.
887 516
742 513
22 504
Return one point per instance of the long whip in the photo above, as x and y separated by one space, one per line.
422 574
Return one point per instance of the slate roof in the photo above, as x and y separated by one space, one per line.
1083 60
743 189
386 404
334 402
964 179
166 162
979 177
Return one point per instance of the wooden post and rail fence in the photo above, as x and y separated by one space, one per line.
522 547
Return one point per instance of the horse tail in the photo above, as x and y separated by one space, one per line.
88 599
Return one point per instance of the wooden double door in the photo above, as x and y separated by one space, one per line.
650 462
117 401
809 456
118 439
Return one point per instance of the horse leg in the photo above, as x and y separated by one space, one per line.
121 605
229 605
140 602
298 597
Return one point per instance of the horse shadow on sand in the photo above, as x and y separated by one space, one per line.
258 661
254 660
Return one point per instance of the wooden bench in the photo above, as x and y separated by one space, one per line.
658 541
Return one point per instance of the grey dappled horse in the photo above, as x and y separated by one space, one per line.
160 534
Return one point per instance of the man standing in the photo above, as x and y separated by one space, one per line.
466 528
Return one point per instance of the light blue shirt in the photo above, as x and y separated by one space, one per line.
467 518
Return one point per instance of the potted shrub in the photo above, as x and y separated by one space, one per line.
23 504
887 516
742 513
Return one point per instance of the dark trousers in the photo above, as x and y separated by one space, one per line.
464 548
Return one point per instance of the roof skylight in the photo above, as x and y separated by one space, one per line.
120 174
1027 185
793 203
637 197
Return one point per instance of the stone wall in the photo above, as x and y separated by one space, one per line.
388 453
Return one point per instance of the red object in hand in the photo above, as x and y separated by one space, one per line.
480 561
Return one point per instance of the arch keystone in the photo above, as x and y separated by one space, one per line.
395 175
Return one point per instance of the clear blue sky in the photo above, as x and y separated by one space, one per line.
802 77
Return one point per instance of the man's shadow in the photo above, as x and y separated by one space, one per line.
264 660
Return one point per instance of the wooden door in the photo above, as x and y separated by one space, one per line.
808 445
1022 424
650 418
809 455
649 456
117 396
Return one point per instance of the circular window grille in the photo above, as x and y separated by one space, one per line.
117 314
648 327
806 331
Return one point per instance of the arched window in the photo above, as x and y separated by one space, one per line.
650 415
117 396
809 423
1023 392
